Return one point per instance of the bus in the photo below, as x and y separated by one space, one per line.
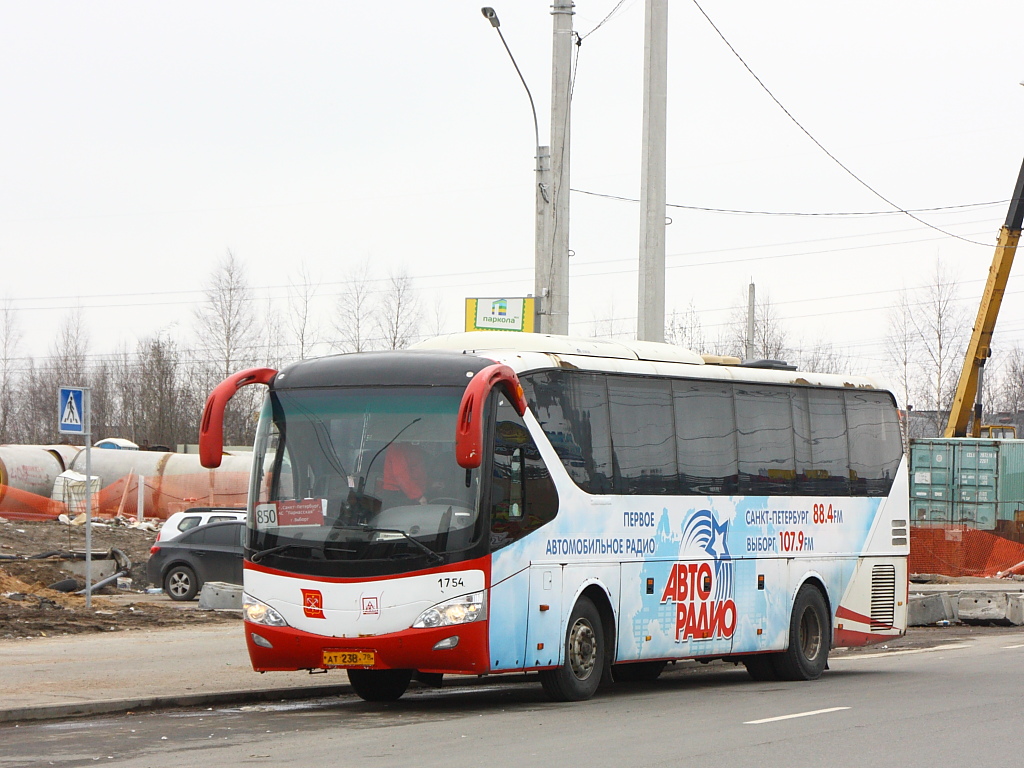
586 510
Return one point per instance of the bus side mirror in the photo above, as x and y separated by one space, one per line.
211 428
469 428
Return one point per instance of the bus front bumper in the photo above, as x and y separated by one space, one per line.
459 649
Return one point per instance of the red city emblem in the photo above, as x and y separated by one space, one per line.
313 603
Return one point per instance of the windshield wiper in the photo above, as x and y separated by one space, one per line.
257 556
366 474
415 542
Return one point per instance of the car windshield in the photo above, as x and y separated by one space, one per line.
361 475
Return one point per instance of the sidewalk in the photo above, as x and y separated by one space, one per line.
57 677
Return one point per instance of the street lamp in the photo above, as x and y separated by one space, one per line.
543 223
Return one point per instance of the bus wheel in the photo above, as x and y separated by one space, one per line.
638 672
379 684
580 674
809 638
761 667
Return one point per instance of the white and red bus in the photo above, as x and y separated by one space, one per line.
500 502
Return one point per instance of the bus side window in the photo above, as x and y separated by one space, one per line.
643 435
764 435
522 495
705 420
572 409
875 442
828 472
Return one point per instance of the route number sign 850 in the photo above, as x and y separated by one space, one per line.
266 516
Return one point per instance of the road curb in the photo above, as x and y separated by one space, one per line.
149 703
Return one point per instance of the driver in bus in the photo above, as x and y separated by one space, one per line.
405 472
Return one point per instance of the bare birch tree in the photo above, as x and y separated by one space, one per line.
301 321
354 312
605 325
771 339
398 312
230 331
684 329
927 337
227 319
901 347
820 357
941 325
10 341
70 350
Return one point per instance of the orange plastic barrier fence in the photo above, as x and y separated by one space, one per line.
963 551
162 497
16 504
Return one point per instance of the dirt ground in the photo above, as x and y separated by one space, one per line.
29 609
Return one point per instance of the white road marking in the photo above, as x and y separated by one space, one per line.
798 714
1012 647
947 647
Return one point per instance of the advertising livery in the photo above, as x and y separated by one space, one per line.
573 507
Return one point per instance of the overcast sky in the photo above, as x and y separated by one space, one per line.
141 141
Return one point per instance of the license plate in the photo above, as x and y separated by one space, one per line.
349 658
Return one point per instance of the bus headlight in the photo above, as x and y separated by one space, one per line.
461 610
260 613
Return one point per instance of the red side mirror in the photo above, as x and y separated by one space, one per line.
469 430
211 429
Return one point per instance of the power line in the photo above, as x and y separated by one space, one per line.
823 214
603 21
264 291
821 146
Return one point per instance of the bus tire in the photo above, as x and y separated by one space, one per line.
181 583
379 684
583 663
761 667
810 635
638 672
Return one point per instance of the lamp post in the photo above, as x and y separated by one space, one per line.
551 313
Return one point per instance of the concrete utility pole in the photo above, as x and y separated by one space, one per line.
542 236
552 279
651 294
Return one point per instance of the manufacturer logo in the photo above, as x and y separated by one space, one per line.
313 603
371 606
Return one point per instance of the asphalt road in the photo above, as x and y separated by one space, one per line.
958 702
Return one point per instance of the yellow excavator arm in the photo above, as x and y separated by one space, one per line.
969 388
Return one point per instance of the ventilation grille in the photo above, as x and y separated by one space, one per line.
899 533
883 596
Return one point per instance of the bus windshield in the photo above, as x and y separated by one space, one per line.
353 481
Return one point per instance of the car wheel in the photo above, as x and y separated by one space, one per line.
181 583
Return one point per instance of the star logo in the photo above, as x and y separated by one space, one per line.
717 545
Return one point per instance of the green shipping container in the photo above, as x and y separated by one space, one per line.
957 481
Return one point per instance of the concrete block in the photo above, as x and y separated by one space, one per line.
924 610
1015 608
218 595
982 607
102 568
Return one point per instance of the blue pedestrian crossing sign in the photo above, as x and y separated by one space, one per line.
71 411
